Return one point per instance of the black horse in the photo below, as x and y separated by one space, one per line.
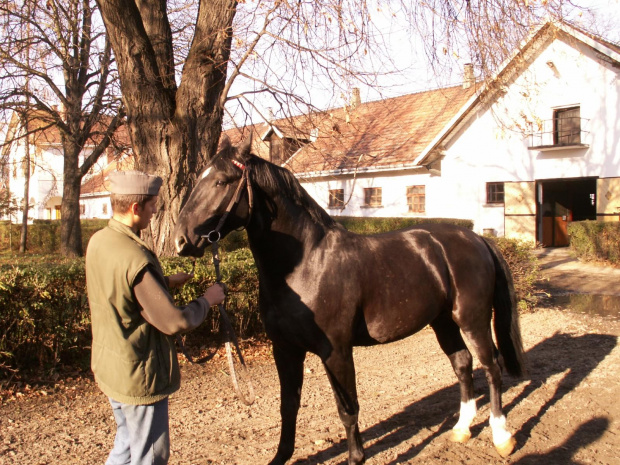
325 290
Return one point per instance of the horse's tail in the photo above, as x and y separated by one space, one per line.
506 318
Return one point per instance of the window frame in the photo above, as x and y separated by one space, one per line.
416 199
373 197
335 198
567 127
492 194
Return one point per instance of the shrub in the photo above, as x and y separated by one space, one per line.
595 241
45 318
379 225
45 322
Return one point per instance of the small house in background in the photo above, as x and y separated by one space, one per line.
94 195
522 155
46 168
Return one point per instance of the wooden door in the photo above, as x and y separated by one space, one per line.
520 210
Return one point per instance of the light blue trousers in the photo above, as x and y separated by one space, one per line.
142 434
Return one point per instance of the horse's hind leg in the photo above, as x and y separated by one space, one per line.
451 342
486 351
290 365
341 373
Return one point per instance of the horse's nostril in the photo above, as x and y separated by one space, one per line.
180 243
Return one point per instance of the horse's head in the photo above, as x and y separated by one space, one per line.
217 191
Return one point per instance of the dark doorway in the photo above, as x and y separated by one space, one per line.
561 201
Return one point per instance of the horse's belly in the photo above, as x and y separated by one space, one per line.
392 323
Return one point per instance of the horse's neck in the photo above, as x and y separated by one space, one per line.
285 237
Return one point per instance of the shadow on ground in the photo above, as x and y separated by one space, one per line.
429 412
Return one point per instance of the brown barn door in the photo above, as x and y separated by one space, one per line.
520 210
563 201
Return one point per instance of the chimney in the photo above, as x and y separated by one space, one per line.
356 100
468 76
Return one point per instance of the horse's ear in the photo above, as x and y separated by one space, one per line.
245 148
224 143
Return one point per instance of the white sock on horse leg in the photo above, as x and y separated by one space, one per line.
498 428
466 415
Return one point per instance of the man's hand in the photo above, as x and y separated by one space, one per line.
215 294
177 280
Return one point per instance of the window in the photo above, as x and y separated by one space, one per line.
495 192
566 126
336 198
104 209
372 197
416 199
82 209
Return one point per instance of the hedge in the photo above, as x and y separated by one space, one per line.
595 241
43 235
378 225
45 321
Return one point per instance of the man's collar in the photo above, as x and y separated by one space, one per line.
123 228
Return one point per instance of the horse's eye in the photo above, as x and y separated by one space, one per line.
220 183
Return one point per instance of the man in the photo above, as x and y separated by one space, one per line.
134 319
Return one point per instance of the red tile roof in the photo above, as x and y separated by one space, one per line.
95 184
381 134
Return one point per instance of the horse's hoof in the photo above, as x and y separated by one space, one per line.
460 435
506 448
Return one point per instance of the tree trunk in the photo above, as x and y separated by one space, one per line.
174 132
70 228
23 242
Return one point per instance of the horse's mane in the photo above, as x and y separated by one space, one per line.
275 180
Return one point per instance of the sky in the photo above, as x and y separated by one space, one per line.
417 76
414 73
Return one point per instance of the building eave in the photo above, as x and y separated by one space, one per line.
364 170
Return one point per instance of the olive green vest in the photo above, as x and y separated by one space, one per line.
133 362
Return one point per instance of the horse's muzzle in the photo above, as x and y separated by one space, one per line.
186 249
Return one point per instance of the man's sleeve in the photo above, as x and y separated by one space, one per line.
159 310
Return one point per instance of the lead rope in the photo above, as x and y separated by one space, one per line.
226 327
230 339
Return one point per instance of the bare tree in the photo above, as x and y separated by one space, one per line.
61 75
240 57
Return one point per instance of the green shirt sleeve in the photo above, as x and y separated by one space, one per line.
159 310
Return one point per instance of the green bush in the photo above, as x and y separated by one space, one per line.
595 241
43 235
45 322
379 225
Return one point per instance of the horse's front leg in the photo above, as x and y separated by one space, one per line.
290 365
341 372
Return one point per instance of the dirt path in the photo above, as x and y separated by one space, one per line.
566 412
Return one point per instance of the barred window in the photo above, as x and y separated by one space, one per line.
416 199
372 197
336 198
495 192
567 126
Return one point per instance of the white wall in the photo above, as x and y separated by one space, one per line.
96 207
493 145
393 187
